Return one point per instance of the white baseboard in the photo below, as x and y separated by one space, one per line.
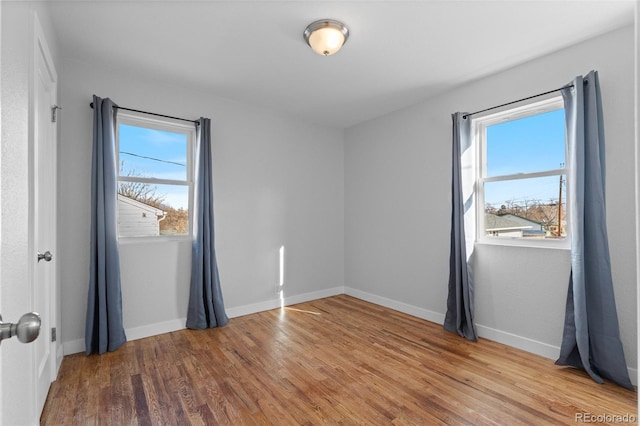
252 308
395 305
73 347
519 342
239 311
135 333
314 295
155 329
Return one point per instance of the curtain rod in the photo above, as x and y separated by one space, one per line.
197 122
519 100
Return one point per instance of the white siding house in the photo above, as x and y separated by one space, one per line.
510 225
136 219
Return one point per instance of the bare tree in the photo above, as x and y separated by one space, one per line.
175 221
546 213
140 191
490 208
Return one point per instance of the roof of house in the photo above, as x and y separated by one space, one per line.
520 219
494 222
140 205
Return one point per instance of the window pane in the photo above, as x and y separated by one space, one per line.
148 209
526 208
152 153
526 145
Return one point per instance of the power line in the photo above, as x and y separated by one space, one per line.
154 159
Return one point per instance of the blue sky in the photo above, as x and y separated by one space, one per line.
166 154
526 145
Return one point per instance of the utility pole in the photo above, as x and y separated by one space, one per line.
560 208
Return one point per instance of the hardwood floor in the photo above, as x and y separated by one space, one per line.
331 361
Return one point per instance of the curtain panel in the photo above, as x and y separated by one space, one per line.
459 316
104 330
591 336
206 307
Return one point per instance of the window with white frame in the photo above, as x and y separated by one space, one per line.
155 178
522 175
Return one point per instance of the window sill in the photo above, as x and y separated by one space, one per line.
517 242
156 239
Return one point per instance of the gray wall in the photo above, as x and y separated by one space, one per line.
277 182
397 205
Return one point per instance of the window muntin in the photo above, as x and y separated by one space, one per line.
155 184
522 175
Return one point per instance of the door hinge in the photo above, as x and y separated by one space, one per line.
54 113
53 334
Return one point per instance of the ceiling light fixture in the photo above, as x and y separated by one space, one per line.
326 36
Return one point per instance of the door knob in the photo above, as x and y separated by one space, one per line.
27 328
47 256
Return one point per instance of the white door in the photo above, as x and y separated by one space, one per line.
44 217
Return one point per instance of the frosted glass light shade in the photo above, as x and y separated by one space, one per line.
326 36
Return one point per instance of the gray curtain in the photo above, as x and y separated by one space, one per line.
591 338
459 316
104 330
206 307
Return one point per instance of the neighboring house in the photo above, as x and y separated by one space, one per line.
510 225
552 227
136 219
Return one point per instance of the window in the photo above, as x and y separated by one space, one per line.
155 184
522 175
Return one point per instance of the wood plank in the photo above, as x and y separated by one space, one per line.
337 360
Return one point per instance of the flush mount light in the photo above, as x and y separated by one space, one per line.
326 36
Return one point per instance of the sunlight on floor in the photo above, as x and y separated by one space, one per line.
302 310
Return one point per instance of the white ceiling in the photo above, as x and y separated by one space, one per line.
398 53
